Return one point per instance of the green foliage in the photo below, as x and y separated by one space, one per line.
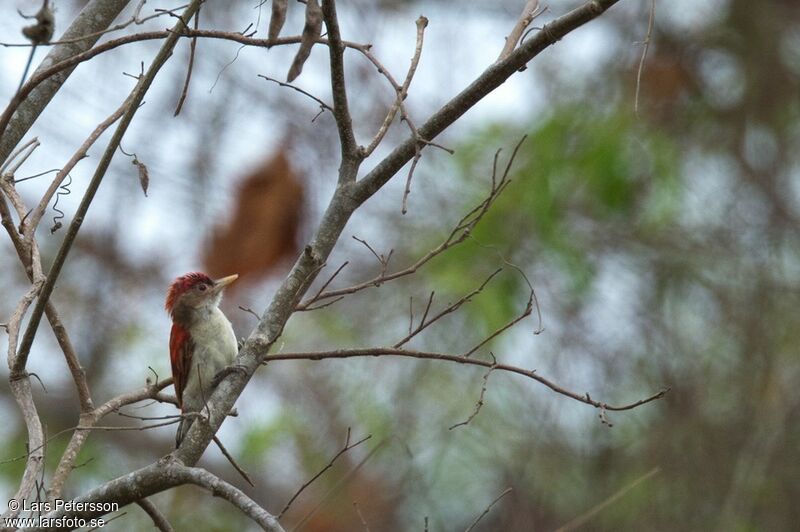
260 439
580 170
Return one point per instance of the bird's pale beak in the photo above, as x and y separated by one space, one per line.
219 284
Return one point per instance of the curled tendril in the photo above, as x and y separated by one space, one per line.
63 190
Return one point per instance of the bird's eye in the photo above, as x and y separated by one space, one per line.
202 287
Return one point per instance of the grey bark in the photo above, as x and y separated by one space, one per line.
96 16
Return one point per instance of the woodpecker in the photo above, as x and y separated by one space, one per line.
202 342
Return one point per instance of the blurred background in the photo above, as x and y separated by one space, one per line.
664 247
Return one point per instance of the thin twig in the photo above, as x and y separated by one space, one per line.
323 305
158 518
347 447
34 176
401 94
529 12
533 302
31 145
447 310
250 311
108 428
479 404
192 47
230 458
646 44
382 260
322 105
360 517
149 391
339 484
583 519
486 511
330 279
407 190
366 51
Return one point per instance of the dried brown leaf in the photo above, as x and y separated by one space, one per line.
264 224
277 19
311 32
144 175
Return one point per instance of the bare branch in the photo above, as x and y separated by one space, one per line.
341 112
347 198
360 517
457 235
21 389
489 80
529 12
429 355
488 508
336 488
96 15
479 404
192 48
323 106
220 488
645 48
159 520
70 454
34 466
447 310
148 391
135 19
28 253
347 447
14 323
39 210
330 279
583 519
323 305
532 301
135 99
422 23
232 461
27 149
250 311
407 190
366 51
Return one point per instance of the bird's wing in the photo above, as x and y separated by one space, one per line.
180 354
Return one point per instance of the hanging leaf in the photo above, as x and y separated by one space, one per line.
311 32
277 19
264 225
144 175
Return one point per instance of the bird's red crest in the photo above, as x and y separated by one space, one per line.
182 284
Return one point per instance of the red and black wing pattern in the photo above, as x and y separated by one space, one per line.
180 354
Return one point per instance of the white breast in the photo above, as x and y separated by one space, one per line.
215 347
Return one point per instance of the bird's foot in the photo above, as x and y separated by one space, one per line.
227 370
